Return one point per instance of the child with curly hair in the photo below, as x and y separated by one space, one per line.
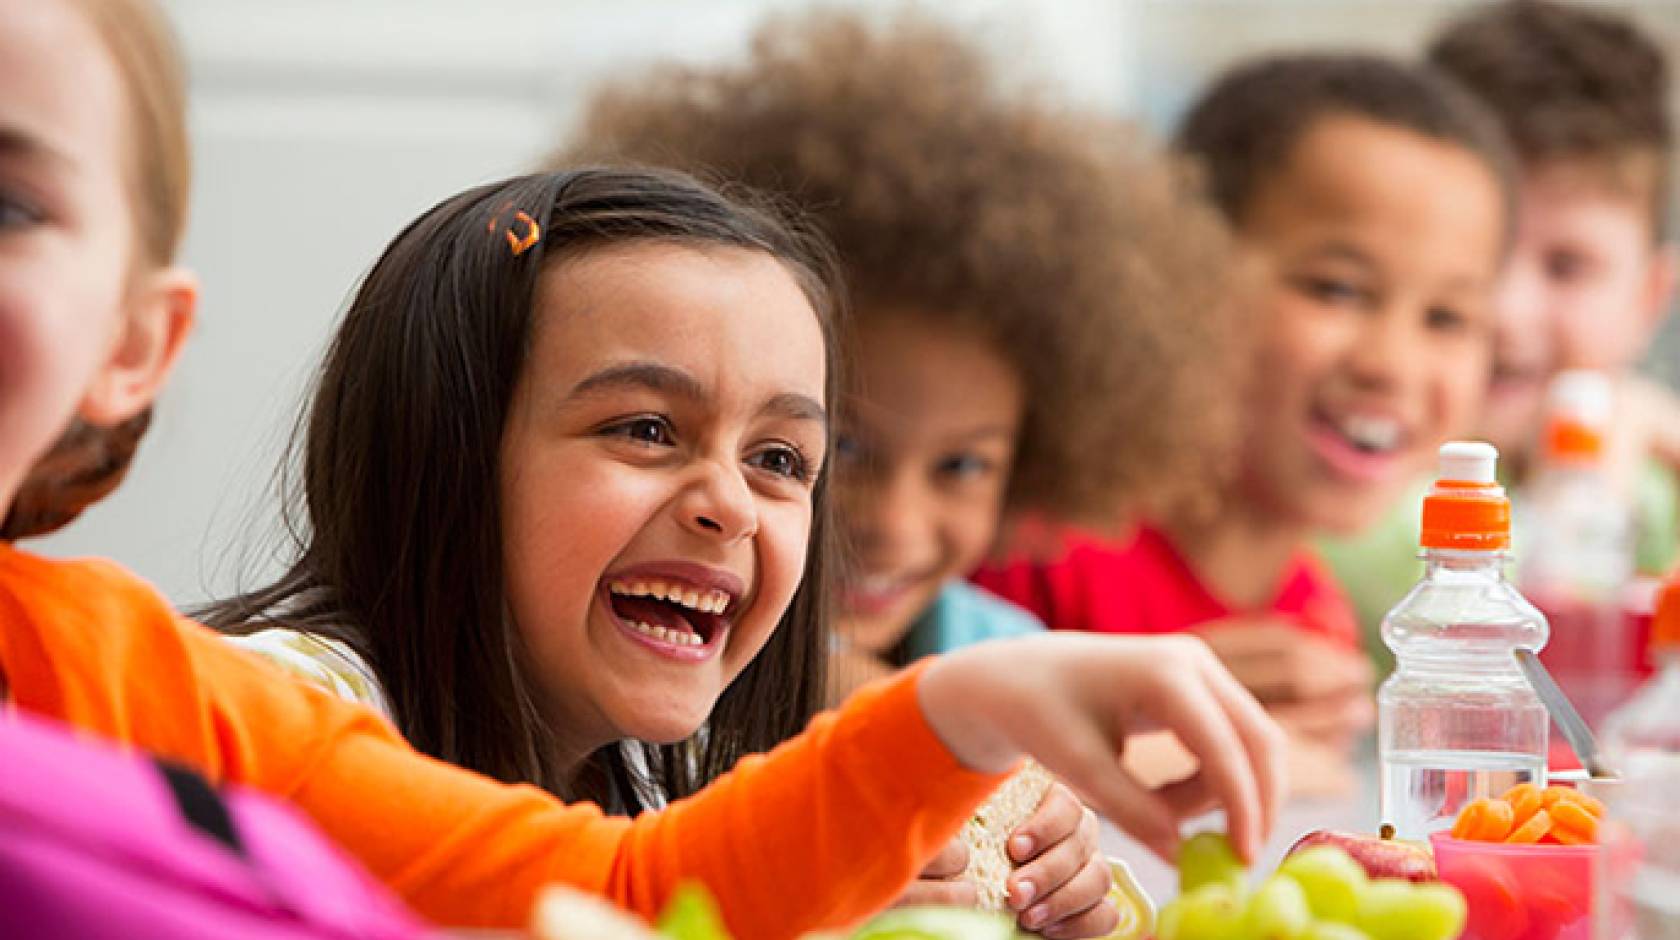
680 362
1036 300
1371 199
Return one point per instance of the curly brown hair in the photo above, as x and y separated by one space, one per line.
1570 84
1246 125
955 193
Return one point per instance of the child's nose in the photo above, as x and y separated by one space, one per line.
720 505
1383 351
895 524
1518 300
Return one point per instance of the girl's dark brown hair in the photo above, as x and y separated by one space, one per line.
399 551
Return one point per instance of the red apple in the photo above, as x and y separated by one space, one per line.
1381 858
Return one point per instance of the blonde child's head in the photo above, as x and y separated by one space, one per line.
1037 321
1374 199
1583 96
95 179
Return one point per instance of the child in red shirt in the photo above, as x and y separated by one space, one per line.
1371 202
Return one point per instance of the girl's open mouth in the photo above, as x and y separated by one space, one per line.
680 619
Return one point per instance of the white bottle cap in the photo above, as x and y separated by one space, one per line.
1469 462
1582 394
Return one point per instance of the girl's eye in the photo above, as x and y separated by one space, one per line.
1331 290
1566 266
1446 319
783 462
964 466
847 447
15 214
648 430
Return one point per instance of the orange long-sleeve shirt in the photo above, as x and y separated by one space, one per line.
819 833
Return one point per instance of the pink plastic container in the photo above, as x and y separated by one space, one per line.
1520 892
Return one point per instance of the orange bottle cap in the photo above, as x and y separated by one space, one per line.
1467 510
1571 439
1665 623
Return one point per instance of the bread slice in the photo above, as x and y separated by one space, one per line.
987 834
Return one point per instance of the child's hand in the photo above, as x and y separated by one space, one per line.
1060 888
941 883
1316 689
1072 700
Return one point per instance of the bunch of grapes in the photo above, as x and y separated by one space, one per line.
1320 893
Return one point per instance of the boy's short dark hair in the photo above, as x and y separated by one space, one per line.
1246 125
1569 84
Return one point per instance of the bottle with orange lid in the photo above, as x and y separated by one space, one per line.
1457 721
1641 739
1645 731
1577 551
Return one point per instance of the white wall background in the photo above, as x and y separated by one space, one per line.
322 126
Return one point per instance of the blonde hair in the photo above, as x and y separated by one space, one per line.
88 462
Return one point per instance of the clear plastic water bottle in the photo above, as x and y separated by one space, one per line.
1642 740
1576 559
1457 720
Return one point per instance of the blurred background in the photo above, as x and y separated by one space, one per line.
322 126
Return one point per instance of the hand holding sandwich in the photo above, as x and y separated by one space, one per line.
1058 886
1072 701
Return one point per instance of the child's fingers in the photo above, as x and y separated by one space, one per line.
1059 816
951 861
1251 789
1085 890
1080 753
1051 871
946 892
1264 741
1188 798
1226 740
1099 921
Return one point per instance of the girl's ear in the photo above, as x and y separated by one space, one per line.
161 315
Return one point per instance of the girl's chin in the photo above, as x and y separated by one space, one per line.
875 635
662 729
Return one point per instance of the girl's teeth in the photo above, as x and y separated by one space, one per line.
678 637
1375 434
707 601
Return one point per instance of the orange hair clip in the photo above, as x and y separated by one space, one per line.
520 243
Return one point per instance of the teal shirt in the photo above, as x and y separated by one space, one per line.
963 615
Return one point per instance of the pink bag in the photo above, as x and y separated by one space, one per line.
96 843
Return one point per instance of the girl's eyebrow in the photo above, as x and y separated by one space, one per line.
652 376
20 143
795 406
658 377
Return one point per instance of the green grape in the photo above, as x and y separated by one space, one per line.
1438 912
936 923
1211 912
1332 879
1278 911
1207 858
1396 909
1167 919
691 914
1330 930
